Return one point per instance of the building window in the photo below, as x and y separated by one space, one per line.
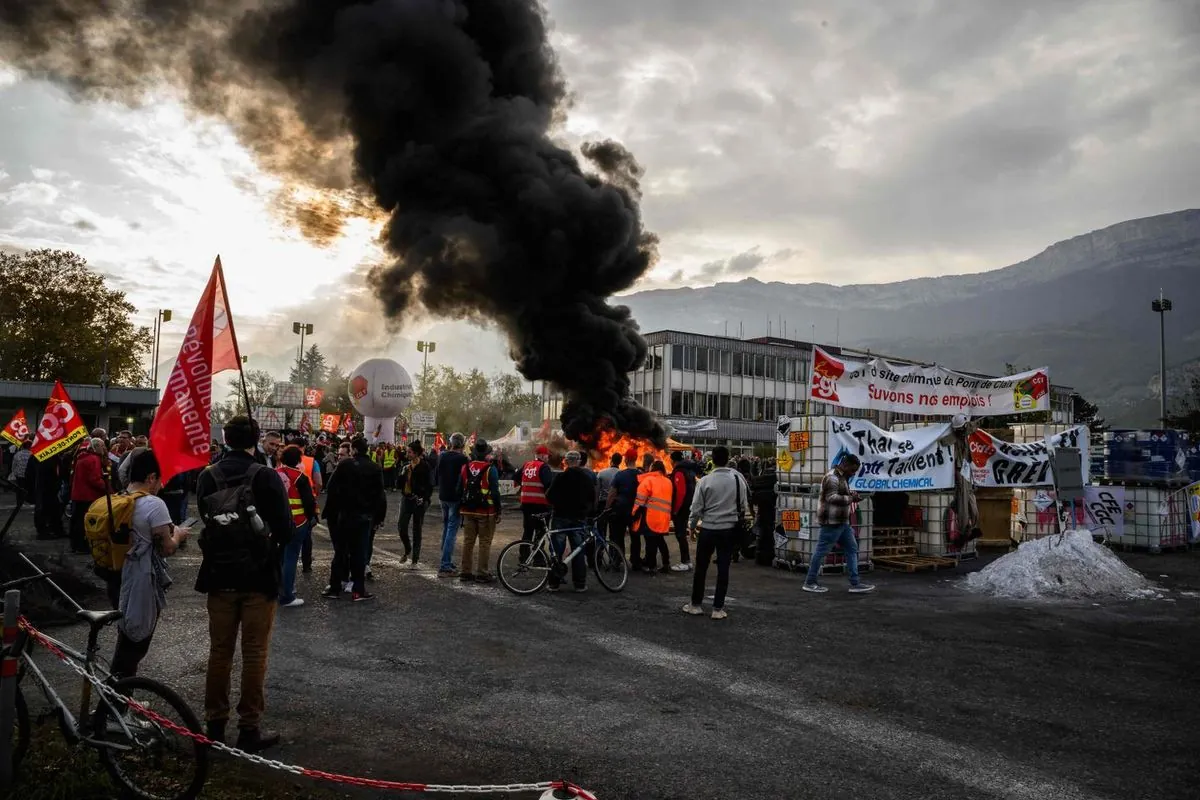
723 411
713 403
759 409
702 359
676 402
657 356
688 403
676 356
689 358
737 364
726 361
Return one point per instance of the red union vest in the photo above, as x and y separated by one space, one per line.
289 476
532 491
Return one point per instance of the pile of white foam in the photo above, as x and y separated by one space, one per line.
1070 566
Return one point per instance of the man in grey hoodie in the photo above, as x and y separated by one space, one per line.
722 498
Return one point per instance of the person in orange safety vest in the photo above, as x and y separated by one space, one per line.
304 514
652 511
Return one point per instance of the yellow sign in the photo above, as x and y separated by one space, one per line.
798 441
784 460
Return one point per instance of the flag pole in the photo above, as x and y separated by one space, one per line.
233 333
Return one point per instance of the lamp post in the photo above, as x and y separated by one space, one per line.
1161 306
426 348
303 329
163 315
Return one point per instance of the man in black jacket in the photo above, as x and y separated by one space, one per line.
241 595
449 469
356 499
416 486
572 495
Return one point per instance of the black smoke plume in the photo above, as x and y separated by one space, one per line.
436 113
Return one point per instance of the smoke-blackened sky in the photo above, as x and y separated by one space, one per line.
439 112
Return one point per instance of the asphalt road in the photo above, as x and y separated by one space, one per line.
916 691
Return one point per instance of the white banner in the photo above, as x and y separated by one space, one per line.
422 420
686 426
879 385
997 463
894 461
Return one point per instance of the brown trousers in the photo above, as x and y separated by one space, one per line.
254 614
479 529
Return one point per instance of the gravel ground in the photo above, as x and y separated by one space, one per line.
919 690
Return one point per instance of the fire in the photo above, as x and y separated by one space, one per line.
609 441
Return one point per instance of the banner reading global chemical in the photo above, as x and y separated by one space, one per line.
894 461
995 462
913 389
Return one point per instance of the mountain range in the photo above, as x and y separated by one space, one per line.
1081 306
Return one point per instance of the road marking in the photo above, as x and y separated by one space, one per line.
973 769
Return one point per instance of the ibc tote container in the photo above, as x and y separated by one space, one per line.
932 537
795 543
1155 518
810 463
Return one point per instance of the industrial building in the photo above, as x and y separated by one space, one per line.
113 408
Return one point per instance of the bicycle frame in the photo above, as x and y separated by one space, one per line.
591 534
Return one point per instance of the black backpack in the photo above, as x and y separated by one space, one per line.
473 496
236 552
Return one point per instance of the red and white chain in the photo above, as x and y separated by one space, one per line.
120 701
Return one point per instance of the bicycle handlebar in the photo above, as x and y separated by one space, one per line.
19 582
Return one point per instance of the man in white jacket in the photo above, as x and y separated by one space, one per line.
722 500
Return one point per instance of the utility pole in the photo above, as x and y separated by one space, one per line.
301 328
1161 306
163 315
427 348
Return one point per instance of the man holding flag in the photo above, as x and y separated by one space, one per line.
242 566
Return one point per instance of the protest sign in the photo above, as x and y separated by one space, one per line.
997 463
899 461
879 385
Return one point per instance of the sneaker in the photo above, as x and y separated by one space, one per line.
862 588
215 730
348 586
358 598
580 589
466 577
812 587
307 568
719 613
485 577
447 573
681 568
551 588
331 593
695 611
296 603
253 740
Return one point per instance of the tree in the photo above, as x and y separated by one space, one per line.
1186 411
312 370
337 392
473 402
259 385
61 321
1085 413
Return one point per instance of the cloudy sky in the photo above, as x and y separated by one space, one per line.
844 142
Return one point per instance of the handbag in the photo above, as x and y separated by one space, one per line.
746 540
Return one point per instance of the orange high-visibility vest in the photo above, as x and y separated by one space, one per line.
532 491
289 476
654 494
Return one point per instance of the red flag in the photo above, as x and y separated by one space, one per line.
313 397
181 433
439 442
348 424
60 427
17 428
330 422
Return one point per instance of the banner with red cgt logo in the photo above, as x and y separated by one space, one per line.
1001 464
879 385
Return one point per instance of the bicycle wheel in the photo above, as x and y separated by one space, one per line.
523 574
611 568
154 762
20 731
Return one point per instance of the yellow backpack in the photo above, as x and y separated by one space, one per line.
108 526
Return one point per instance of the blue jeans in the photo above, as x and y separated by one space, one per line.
291 554
830 535
559 542
451 521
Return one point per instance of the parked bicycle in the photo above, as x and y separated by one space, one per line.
141 755
524 567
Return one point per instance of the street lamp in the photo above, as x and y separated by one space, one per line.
303 329
1161 306
426 348
163 315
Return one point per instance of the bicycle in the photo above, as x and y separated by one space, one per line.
536 561
123 737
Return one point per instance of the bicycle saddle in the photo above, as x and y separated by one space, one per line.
98 619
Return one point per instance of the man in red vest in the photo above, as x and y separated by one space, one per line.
533 480
303 506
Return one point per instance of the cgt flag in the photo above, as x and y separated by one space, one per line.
313 398
60 427
330 422
182 426
17 428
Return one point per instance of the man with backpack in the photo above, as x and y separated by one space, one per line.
247 525
479 484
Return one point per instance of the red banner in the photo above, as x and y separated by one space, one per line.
17 428
313 398
60 427
439 442
330 422
348 424
181 433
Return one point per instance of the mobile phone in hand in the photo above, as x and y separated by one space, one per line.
189 522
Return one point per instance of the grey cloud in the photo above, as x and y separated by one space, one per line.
84 225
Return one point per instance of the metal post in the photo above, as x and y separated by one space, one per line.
8 686
154 350
1162 359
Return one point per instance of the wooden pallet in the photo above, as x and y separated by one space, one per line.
912 563
890 550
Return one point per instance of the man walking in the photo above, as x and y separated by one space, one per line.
416 486
449 469
683 478
718 507
573 497
479 488
303 508
833 514
241 574
358 499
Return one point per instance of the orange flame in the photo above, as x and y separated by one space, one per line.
609 441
